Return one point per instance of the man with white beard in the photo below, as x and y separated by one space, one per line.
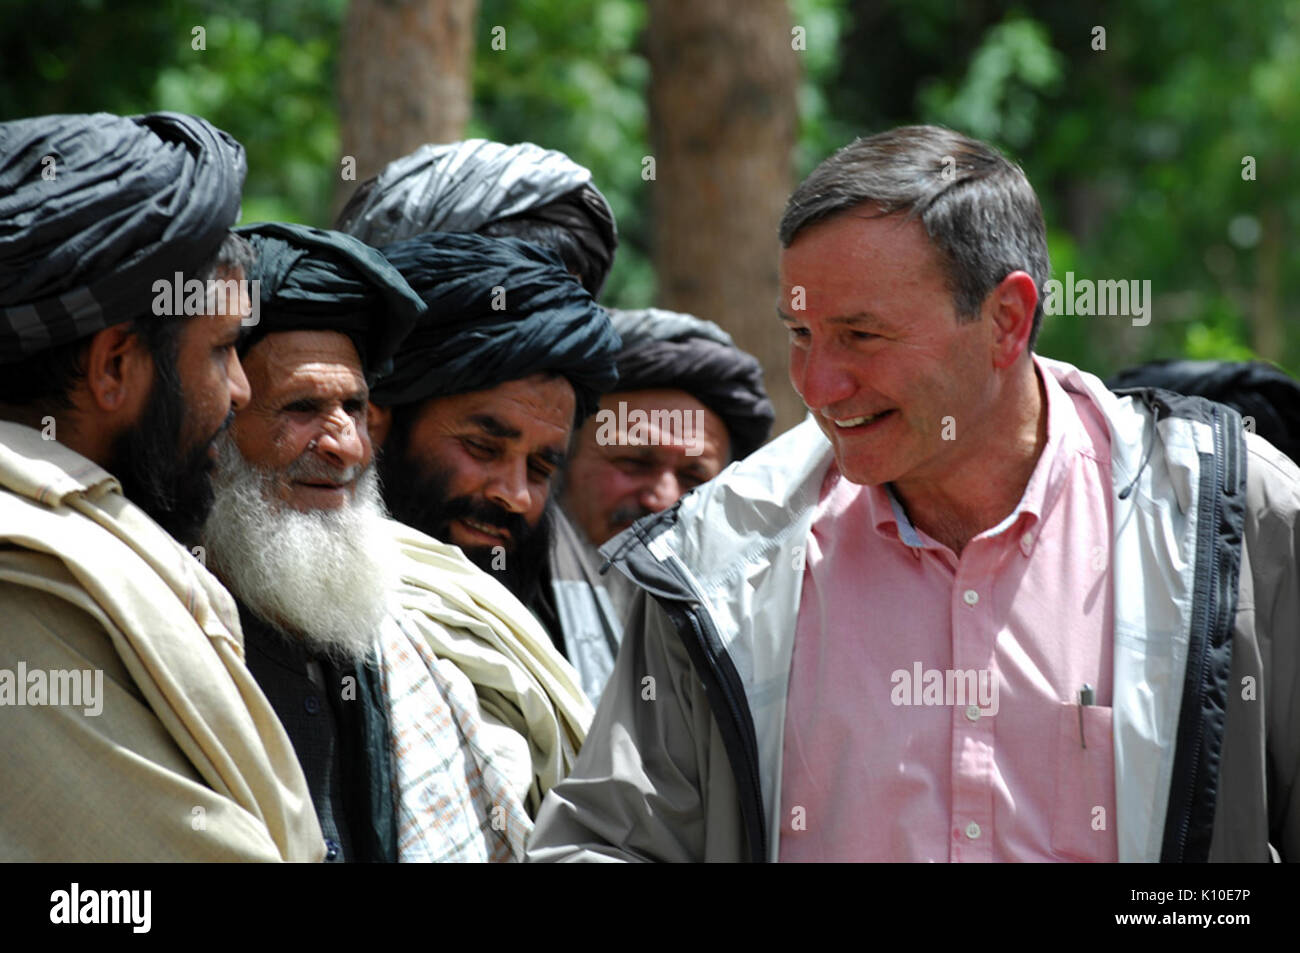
372 666
287 564
290 532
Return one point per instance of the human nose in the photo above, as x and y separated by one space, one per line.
508 488
820 376
341 441
237 384
661 492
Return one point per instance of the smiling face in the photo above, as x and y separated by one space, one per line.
878 354
306 421
491 455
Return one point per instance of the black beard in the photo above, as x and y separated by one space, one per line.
420 500
170 483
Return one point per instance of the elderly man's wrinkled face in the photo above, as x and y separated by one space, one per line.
307 417
877 353
297 531
639 458
475 469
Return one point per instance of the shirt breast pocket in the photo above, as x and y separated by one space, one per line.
1083 823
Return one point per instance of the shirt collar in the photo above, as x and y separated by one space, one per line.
1065 437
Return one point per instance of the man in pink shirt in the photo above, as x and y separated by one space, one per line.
978 608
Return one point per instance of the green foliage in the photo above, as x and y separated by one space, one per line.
77 56
572 78
265 75
293 147
821 130
998 98
1216 337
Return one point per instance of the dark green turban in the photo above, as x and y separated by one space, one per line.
498 309
312 279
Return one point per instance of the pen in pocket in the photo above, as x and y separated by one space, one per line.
1086 697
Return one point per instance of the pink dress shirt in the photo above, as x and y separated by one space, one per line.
934 706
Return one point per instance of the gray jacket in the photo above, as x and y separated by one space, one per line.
683 761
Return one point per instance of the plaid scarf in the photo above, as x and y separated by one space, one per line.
453 803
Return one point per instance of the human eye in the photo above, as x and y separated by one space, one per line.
630 464
478 449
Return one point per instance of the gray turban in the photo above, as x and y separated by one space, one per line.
95 208
486 187
671 350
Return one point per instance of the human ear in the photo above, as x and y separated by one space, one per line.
119 371
1012 304
379 420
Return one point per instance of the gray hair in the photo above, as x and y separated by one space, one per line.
977 206
234 252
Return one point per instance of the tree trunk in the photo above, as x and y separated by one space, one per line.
724 77
405 78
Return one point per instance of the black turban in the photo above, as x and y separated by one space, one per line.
317 280
95 208
498 309
482 186
670 350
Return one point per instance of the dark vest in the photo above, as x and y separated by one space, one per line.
336 718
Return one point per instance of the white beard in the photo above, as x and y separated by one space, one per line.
320 576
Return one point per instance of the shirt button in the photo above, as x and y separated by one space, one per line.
1027 542
972 830
331 850
971 597
973 712
312 704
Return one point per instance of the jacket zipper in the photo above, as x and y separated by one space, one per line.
722 684
1192 732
